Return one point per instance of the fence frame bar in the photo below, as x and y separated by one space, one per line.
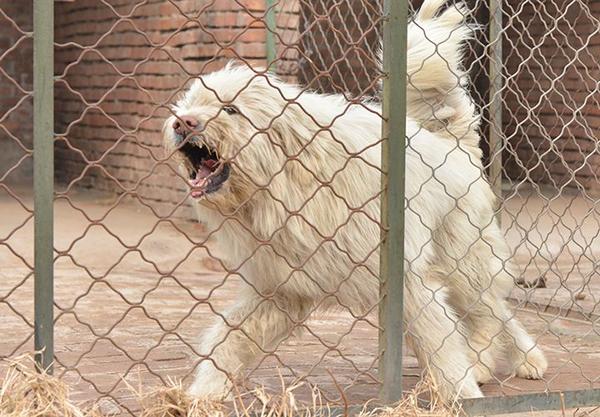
499 405
43 181
392 200
270 27
524 403
495 96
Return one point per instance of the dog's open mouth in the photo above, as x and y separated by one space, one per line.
206 170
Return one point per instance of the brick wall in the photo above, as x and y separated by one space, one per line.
16 107
552 115
339 53
120 68
552 109
119 74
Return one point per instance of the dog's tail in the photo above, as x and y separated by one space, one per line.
436 86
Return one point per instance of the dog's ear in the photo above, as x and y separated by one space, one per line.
294 131
291 129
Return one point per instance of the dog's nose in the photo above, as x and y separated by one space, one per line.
184 124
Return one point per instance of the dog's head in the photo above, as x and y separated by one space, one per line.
225 133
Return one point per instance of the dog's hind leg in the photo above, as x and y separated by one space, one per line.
435 333
485 331
524 355
491 321
481 281
476 280
253 327
493 327
482 308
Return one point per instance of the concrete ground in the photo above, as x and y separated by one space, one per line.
132 291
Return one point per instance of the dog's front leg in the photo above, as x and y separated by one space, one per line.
254 326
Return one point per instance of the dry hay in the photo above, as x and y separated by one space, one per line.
422 401
172 401
28 393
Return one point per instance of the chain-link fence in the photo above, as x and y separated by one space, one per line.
16 173
245 202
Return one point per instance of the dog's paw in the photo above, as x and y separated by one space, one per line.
483 366
533 365
210 384
469 389
213 390
451 391
482 373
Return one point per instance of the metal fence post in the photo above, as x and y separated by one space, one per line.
43 179
271 27
495 109
392 201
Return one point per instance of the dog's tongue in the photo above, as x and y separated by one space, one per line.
197 182
204 170
209 163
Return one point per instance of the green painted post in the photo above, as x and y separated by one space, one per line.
529 403
43 179
392 202
271 28
495 71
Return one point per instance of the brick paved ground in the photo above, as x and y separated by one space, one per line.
133 321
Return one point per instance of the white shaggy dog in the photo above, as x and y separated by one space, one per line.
292 180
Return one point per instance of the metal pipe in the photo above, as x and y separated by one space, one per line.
271 28
392 201
495 97
43 180
526 403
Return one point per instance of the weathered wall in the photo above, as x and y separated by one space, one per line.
339 53
552 95
16 80
121 67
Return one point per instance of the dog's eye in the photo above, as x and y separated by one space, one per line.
230 109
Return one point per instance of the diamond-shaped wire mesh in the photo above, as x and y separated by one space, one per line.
293 294
115 99
16 208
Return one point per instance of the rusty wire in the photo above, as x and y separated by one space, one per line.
327 47
17 143
160 161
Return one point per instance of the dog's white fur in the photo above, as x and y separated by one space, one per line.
299 215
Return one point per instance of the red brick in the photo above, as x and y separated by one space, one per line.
191 45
